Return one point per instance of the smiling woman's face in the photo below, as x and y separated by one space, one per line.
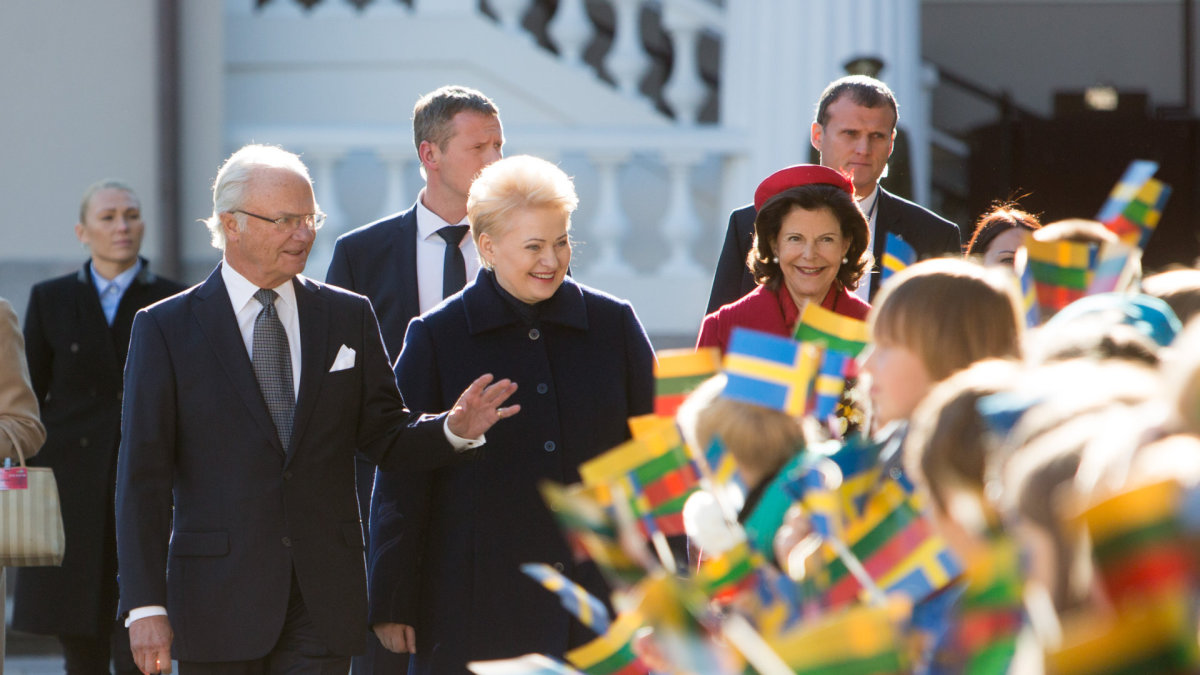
531 252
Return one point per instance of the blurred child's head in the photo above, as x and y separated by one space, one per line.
933 319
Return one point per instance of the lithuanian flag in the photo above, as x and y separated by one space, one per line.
678 373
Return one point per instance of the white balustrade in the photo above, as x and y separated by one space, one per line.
331 9
377 9
685 90
280 9
626 60
611 223
397 197
571 30
681 227
510 13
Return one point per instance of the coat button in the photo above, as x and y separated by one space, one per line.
287 475
549 446
543 387
74 347
560 567
534 333
83 442
287 541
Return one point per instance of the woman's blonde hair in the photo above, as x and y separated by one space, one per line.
951 313
518 182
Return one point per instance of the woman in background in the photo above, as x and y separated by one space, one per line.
76 337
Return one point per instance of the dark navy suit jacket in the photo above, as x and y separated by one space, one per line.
446 544
247 512
928 233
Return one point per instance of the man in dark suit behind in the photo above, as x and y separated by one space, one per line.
245 400
854 131
403 263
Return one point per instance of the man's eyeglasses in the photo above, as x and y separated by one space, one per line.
311 221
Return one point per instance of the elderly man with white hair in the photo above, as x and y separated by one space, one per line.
246 398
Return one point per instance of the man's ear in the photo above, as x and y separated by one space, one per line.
427 152
229 225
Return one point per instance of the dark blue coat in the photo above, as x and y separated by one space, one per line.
446 544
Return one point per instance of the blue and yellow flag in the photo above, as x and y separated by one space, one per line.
897 254
769 370
575 599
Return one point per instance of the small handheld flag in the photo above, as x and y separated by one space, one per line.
769 370
897 254
575 599
678 372
831 330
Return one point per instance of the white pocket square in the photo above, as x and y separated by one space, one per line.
344 360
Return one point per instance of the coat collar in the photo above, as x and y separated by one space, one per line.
487 310
145 276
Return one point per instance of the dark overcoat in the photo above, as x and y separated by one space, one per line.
447 544
75 361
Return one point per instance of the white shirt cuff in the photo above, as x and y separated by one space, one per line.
459 443
143 612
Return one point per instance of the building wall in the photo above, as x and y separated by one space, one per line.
1032 49
79 87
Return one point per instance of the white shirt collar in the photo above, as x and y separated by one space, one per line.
428 222
241 291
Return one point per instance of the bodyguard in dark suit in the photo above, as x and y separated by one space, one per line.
76 335
854 131
446 544
408 262
245 400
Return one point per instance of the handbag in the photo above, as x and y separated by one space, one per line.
31 527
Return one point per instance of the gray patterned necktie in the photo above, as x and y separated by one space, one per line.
273 365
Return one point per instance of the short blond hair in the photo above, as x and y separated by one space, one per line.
761 440
518 182
951 313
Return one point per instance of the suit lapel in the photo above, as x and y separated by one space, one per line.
216 320
406 250
314 347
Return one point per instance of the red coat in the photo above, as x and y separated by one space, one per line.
771 312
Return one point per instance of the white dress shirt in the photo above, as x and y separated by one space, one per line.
246 310
431 252
112 290
868 204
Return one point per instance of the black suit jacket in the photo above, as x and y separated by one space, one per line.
928 233
248 513
379 260
75 363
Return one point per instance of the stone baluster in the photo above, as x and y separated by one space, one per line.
571 30
685 90
681 226
329 9
396 163
611 224
626 60
281 9
445 6
382 8
510 13
322 162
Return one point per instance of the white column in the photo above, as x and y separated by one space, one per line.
626 60
571 29
681 227
397 197
685 90
611 225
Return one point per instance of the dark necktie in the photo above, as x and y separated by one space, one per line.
273 365
454 267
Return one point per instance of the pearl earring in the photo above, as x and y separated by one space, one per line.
775 260
845 260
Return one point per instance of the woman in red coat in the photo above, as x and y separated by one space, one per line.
810 245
